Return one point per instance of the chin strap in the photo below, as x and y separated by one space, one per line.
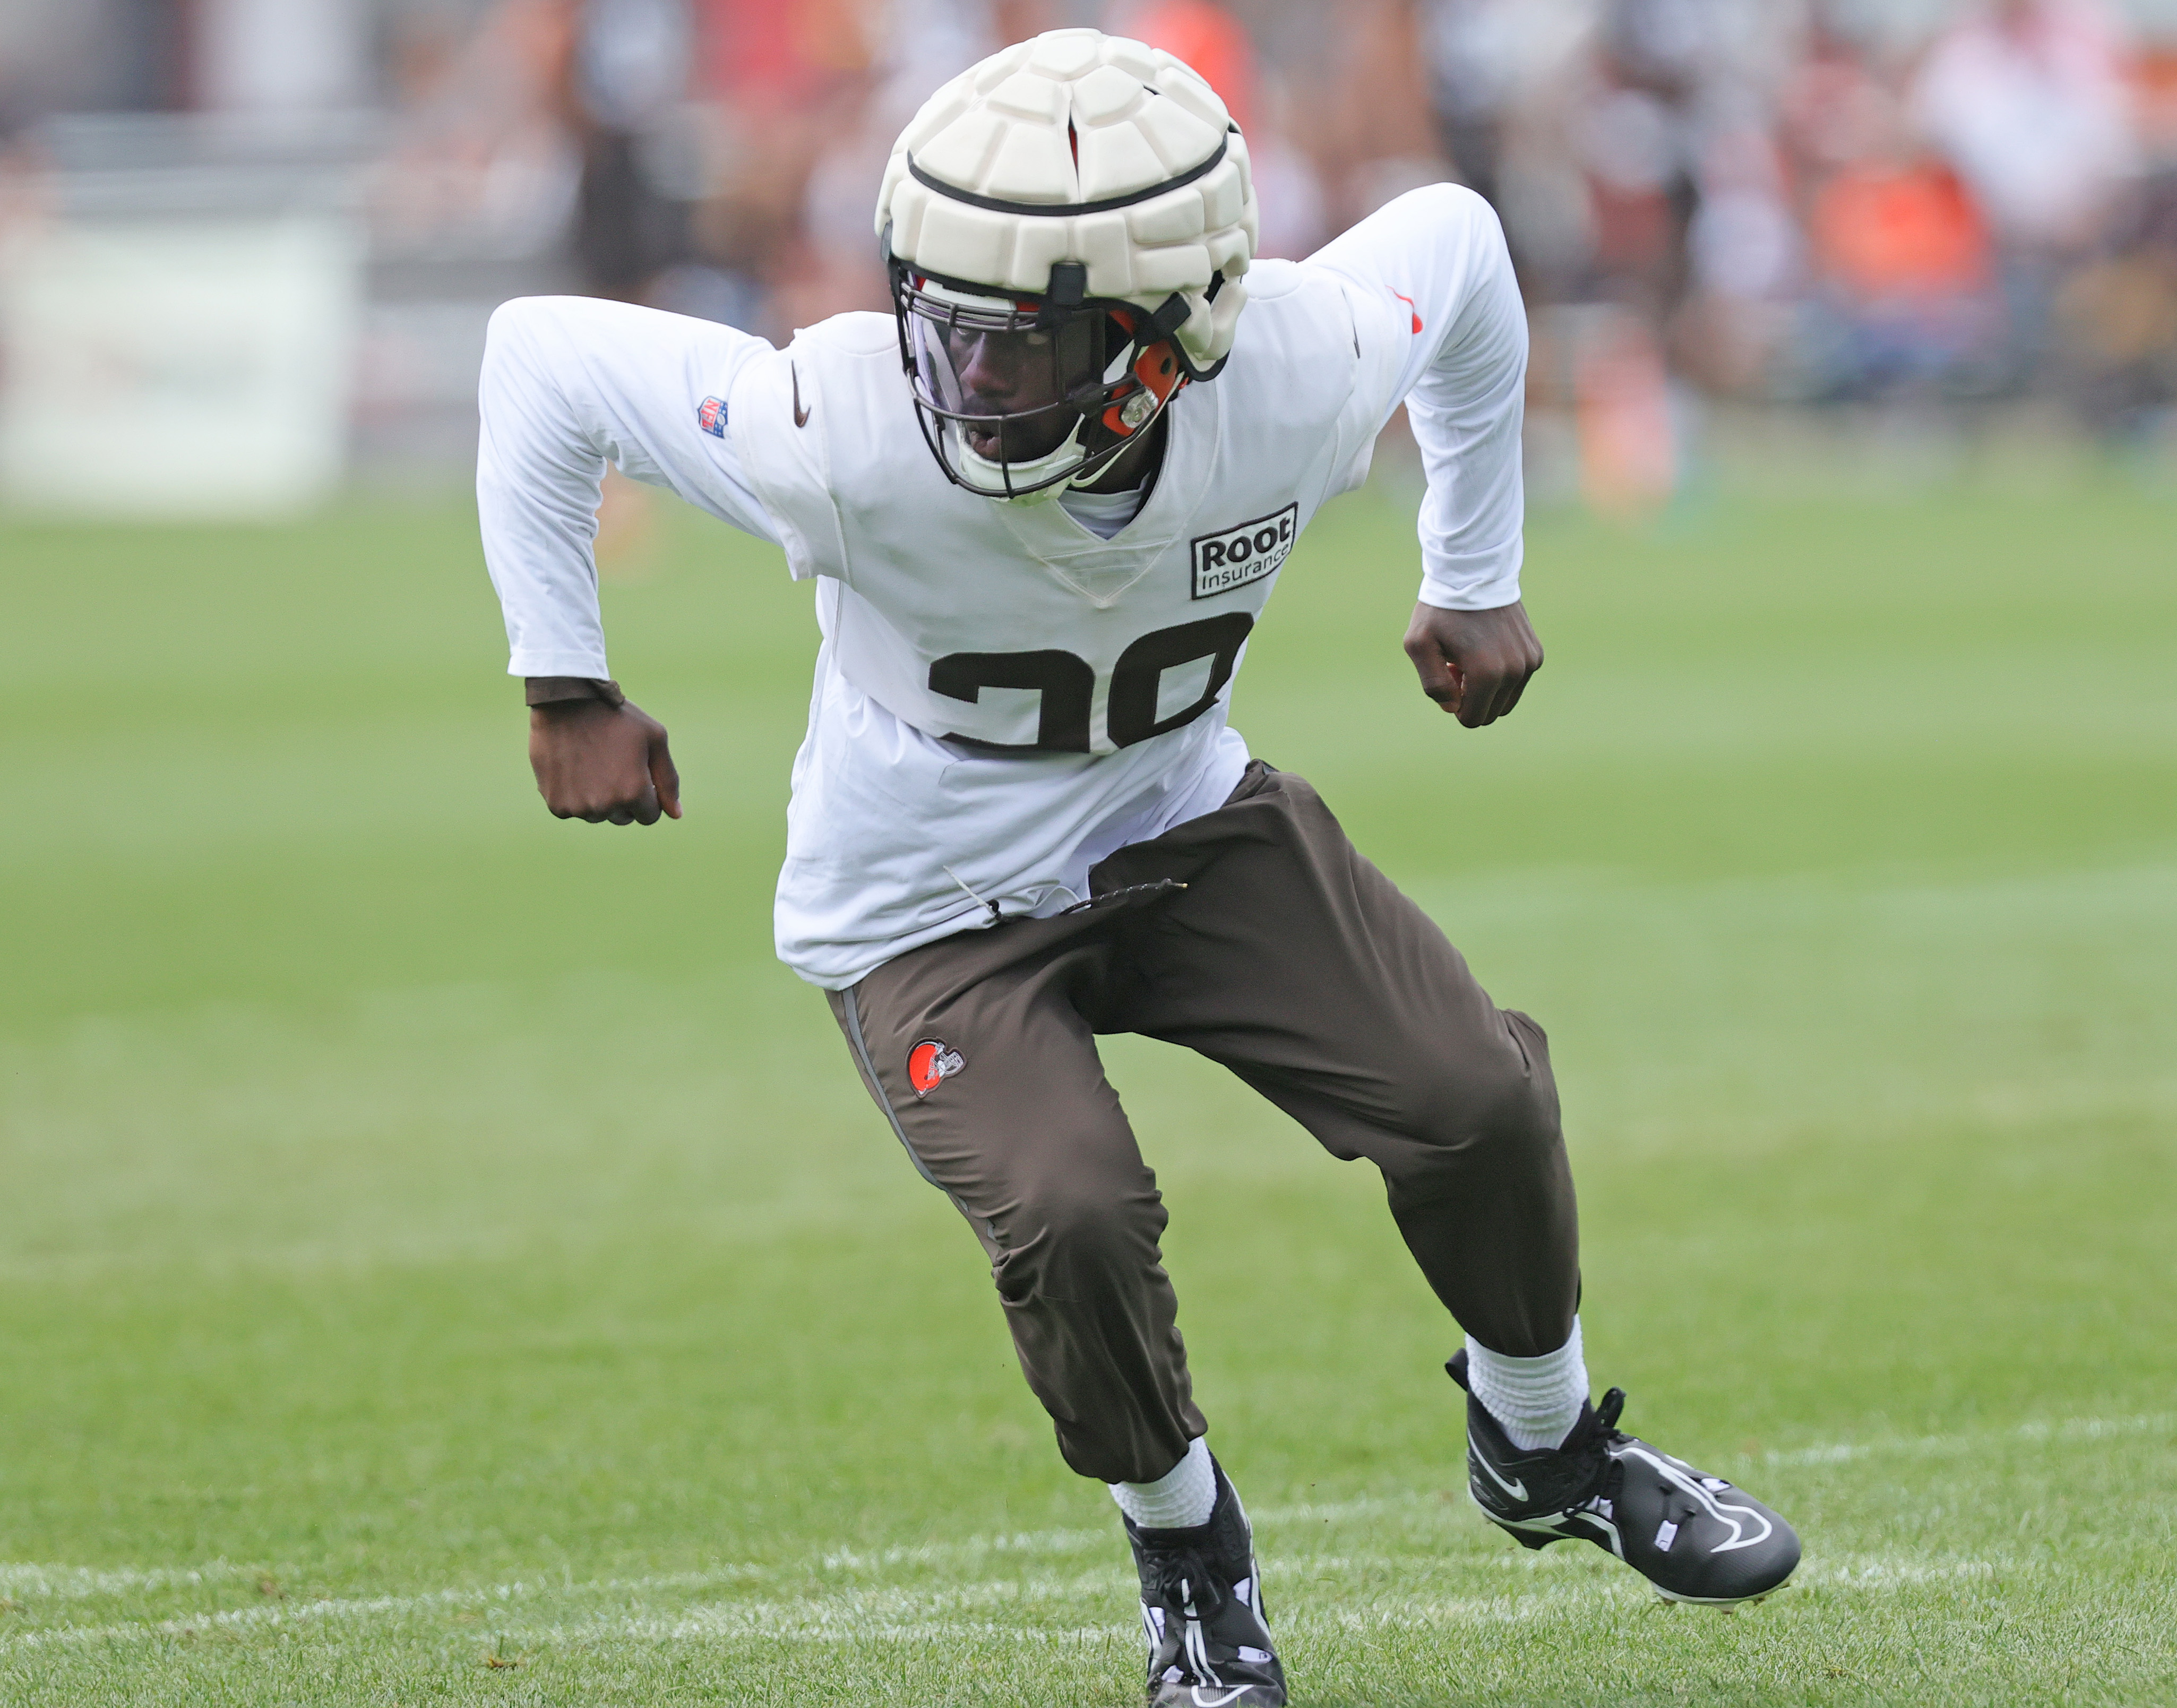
1158 381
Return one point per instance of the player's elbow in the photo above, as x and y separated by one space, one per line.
514 329
527 353
509 339
527 331
1453 209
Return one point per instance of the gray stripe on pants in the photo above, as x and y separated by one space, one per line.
862 1054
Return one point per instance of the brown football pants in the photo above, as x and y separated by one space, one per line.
1257 936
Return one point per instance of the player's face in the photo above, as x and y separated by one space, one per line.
1010 381
1012 374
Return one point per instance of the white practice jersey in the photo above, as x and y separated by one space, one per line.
1002 697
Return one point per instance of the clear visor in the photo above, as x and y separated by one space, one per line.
984 362
1013 395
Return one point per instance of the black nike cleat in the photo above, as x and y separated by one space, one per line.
1694 1536
1202 1606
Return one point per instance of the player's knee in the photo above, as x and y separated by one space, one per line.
1523 1124
1516 1100
1495 1107
1073 1226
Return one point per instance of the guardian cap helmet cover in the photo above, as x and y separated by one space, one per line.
1065 226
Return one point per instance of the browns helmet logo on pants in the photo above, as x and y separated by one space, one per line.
930 1064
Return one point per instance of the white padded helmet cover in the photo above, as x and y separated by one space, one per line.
1139 118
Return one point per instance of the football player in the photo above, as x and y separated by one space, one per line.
1044 502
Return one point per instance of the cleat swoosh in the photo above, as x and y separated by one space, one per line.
1517 1488
1722 1511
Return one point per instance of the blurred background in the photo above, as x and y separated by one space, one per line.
270 232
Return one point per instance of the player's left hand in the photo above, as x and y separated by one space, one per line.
1475 664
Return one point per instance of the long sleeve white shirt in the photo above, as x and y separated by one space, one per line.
905 825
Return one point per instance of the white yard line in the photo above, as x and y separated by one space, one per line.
2063 1430
963 1611
876 1611
243 1618
1335 1511
371 1606
895 1616
1031 1542
77 1582
1879 1572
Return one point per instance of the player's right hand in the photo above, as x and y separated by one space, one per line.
606 764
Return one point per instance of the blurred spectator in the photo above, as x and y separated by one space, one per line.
1625 415
784 87
280 56
1600 182
482 159
630 66
2028 101
1209 38
1373 132
1746 259
2117 317
1904 262
1542 191
1288 190
912 48
1639 137
1834 108
89 55
1899 257
1474 68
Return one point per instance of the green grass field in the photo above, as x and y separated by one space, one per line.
444 1259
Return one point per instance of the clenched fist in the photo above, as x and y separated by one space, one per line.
1474 664
608 764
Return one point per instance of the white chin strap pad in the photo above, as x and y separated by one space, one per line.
980 470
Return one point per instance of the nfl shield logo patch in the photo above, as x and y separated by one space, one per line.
710 417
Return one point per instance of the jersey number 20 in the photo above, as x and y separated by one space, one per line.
1068 684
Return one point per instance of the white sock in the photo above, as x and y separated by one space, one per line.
1180 1499
1535 1401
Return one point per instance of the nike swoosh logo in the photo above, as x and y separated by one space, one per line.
1516 1488
1722 1511
800 415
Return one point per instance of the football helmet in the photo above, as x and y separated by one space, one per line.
1065 227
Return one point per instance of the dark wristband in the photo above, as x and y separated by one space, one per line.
551 690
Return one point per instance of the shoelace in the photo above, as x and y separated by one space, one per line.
1605 1435
1600 1472
1183 1575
